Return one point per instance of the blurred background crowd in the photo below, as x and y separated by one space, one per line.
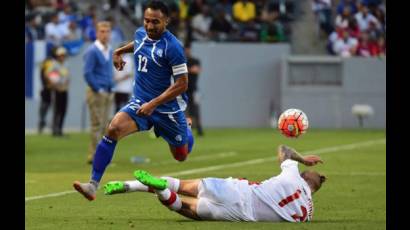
345 28
350 27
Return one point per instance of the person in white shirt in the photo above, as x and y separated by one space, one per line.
201 25
286 197
364 17
55 32
346 45
342 20
123 82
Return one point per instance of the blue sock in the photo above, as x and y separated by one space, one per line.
190 140
103 156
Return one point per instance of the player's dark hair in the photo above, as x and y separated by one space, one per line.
322 179
315 181
158 5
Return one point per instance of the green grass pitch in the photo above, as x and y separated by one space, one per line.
353 197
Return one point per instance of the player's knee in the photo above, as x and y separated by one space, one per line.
114 131
180 153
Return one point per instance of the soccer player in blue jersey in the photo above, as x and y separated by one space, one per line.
159 99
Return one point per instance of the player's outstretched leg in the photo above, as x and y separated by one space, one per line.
115 187
88 190
121 125
165 195
149 180
103 156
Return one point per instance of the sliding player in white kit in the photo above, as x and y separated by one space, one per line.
286 197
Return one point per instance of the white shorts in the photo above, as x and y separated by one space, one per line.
224 199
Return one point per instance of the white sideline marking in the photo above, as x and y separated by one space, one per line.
49 195
201 158
261 160
242 163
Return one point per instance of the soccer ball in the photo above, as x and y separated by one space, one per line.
293 123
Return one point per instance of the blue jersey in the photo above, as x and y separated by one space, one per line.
158 64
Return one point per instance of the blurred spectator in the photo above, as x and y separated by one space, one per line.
73 41
364 17
269 13
123 82
381 17
285 8
201 24
193 109
183 9
351 4
195 7
173 25
117 35
345 46
66 15
55 32
366 48
90 31
250 32
138 12
372 4
353 28
58 4
226 5
374 31
113 4
98 73
323 12
74 32
88 19
333 37
244 11
184 26
31 28
58 77
220 27
342 20
40 3
272 32
272 29
381 45
45 93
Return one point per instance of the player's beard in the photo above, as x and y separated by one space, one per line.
154 34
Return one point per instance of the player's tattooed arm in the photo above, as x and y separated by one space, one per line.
285 152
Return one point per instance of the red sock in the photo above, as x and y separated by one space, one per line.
169 199
180 153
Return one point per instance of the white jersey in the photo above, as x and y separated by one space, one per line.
287 194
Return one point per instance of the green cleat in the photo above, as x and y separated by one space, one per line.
151 181
114 187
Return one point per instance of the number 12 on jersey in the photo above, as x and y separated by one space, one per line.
142 63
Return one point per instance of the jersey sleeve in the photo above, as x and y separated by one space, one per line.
177 60
290 167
